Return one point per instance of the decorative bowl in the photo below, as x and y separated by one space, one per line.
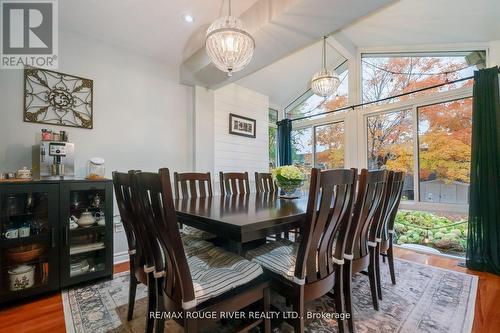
25 253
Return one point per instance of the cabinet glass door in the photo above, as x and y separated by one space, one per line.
28 241
87 228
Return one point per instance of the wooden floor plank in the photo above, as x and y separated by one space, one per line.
46 314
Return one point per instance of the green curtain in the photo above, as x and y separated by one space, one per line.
483 242
285 142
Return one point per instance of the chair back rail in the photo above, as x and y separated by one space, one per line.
378 222
264 183
368 202
192 185
154 193
234 183
393 204
328 216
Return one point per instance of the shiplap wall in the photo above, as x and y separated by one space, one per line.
233 153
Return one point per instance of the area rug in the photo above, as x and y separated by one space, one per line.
425 299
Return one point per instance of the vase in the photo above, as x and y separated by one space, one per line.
289 188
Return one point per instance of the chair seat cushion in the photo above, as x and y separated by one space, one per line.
278 257
216 271
187 230
194 245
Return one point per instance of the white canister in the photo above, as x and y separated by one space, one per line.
24 173
22 277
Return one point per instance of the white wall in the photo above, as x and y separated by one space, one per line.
233 153
141 113
494 54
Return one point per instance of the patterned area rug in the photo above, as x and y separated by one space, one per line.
425 299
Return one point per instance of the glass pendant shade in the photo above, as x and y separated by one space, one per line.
229 46
325 82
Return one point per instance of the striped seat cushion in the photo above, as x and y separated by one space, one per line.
187 230
194 245
279 257
217 271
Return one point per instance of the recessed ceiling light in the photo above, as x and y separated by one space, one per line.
188 18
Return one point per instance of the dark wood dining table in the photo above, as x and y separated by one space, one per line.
243 220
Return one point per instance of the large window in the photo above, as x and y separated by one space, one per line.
385 75
302 147
329 150
444 135
390 145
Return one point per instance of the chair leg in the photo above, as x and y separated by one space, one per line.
377 271
338 295
132 288
373 278
383 259
267 308
298 306
390 259
347 276
151 303
160 306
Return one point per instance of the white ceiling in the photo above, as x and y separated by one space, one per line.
406 23
150 27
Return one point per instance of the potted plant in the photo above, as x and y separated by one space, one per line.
289 178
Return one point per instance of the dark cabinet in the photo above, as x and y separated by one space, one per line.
54 234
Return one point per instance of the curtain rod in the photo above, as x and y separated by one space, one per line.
386 98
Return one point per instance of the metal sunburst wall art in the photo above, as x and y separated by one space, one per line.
57 99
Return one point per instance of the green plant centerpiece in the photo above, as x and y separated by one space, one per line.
289 178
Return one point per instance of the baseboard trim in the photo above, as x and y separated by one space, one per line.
120 257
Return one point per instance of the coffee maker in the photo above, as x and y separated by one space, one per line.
54 159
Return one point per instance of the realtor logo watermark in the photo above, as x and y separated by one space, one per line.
29 34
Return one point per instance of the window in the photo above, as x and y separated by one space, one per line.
329 150
273 118
390 145
385 75
302 147
310 104
444 135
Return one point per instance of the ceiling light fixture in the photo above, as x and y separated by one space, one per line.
325 82
229 46
188 18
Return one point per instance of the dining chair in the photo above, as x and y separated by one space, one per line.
306 270
264 183
387 231
191 280
193 185
360 249
139 272
234 183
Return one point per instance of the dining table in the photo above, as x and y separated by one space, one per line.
242 221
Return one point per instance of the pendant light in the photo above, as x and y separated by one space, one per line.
229 46
325 82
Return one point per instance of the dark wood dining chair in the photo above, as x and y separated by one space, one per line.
361 245
234 183
306 270
264 183
188 281
136 243
193 185
387 231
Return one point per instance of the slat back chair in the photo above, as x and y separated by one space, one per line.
359 253
387 231
234 183
139 259
192 185
175 289
329 208
264 183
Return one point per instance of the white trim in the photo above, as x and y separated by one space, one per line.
189 305
298 281
120 257
431 48
149 269
338 261
378 240
372 244
348 256
391 231
159 274
132 252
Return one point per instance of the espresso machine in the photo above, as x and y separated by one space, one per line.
54 159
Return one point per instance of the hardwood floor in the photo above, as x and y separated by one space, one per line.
45 314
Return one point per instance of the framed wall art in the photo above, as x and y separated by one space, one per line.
57 99
239 125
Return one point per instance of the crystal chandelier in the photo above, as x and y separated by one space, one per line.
229 46
325 82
